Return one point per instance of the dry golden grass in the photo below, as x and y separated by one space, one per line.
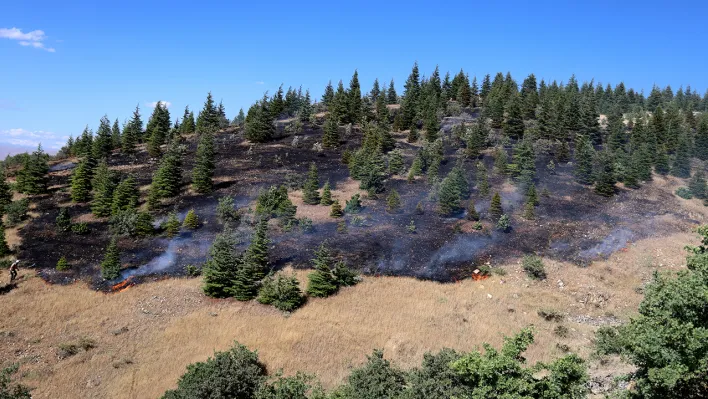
319 213
171 324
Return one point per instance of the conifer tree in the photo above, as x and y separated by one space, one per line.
354 101
115 134
395 162
589 125
501 160
253 265
81 181
583 161
682 161
531 195
4 248
413 134
188 125
336 210
110 267
208 119
5 192
62 264
482 181
529 97
701 140
661 166
449 196
32 178
382 114
472 213
393 201
605 181
158 129
330 138
191 220
103 142
221 268
259 122
326 195
514 122
167 180
321 281
310 194
104 183
132 133
464 94
495 207
411 97
391 96
240 119
630 177
328 95
339 110
125 196
697 184
172 225
430 119
204 166
529 211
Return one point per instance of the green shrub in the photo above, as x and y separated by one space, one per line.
16 212
504 223
344 276
191 220
132 223
684 192
62 264
353 205
193 271
281 291
306 225
561 331
550 315
226 211
236 373
533 266
63 220
8 390
275 202
608 341
5 263
80 229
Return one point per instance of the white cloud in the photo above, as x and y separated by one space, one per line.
260 82
154 104
29 138
34 39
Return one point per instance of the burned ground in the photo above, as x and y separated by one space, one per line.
572 224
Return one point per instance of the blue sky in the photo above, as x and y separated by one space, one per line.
94 58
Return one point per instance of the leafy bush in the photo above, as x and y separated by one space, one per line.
236 373
684 192
533 266
67 350
80 229
16 212
9 390
281 291
5 263
132 223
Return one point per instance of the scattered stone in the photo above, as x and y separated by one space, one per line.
120 331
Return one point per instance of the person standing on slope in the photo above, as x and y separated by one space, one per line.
13 270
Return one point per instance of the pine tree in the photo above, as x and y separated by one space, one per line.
529 211
682 162
188 125
382 114
103 142
449 196
321 281
661 166
701 140
254 264
605 181
336 210
354 101
62 264
158 129
110 267
173 225
81 181
697 184
472 213
583 161
240 119
4 248
395 162
430 119
167 180
391 96
495 207
411 97
132 133
32 178
413 134
125 196
501 160
529 97
104 184
532 196
221 268
115 134
326 195
204 166
482 181
330 138
191 220
339 110
259 122
514 122
328 95
208 119
310 194
393 201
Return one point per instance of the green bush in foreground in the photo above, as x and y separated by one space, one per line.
281 291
